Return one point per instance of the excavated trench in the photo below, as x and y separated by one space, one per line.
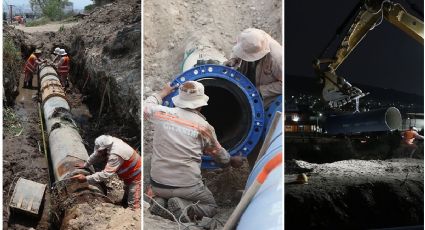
91 121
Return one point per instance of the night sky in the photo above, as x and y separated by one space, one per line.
387 57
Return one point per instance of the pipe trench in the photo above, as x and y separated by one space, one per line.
66 147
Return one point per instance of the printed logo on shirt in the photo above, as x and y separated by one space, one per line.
181 130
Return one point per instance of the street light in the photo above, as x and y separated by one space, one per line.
317 122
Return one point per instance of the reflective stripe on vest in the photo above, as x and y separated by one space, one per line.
130 168
31 65
64 67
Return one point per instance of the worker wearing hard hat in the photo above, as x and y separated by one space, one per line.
31 67
181 136
121 159
55 56
408 138
259 57
63 67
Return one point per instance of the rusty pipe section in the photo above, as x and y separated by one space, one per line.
65 145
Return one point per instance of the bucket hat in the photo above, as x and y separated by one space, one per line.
191 96
252 45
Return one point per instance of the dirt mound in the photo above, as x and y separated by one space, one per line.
356 194
103 216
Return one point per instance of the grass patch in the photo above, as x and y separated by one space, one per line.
11 122
38 22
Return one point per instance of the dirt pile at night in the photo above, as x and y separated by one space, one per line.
355 194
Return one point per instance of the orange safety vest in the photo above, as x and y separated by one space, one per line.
31 65
409 136
63 69
130 170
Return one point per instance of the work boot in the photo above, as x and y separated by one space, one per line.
180 207
155 209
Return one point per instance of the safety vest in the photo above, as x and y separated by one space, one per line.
409 136
31 65
130 170
63 69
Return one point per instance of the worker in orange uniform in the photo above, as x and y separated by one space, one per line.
31 67
121 159
63 67
408 138
259 57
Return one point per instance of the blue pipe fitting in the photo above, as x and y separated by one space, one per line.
270 111
257 118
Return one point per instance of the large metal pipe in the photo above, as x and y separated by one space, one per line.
265 209
372 121
235 108
66 146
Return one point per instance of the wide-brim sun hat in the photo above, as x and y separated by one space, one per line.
252 45
191 96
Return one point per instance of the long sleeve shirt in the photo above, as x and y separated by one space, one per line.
181 136
117 154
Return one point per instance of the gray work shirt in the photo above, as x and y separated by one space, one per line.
180 138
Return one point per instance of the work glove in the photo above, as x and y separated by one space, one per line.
236 161
80 165
233 62
80 178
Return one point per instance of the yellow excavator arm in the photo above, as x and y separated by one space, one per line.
337 91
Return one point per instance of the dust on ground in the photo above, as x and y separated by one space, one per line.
49 27
23 156
355 194
168 27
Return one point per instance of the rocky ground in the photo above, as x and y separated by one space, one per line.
105 53
169 26
355 194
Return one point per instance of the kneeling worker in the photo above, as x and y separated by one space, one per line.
181 136
123 160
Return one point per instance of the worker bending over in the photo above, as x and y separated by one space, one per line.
408 138
121 159
181 136
31 67
259 57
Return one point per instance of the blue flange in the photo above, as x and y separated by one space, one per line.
270 111
255 101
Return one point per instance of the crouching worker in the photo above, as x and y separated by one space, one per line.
121 159
181 136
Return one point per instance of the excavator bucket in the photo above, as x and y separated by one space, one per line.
337 91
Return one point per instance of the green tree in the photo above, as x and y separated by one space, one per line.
53 9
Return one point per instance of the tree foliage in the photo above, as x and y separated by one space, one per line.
53 9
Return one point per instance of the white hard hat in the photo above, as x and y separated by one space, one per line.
57 50
62 52
414 128
103 142
191 95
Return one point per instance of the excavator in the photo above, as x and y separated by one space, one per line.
367 15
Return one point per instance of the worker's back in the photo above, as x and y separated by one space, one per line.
177 146
409 136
